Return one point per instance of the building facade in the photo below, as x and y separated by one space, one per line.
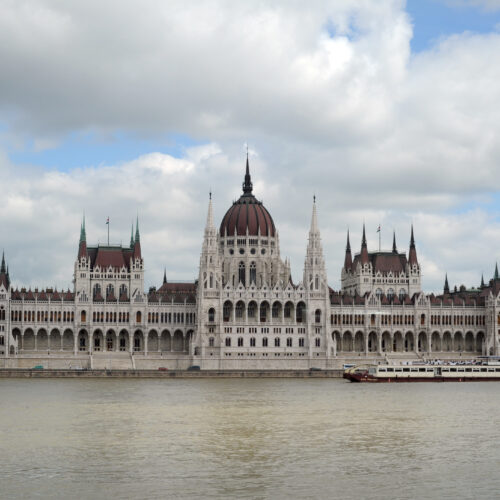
244 311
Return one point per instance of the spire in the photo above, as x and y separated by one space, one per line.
164 275
137 236
2 268
412 254
394 247
132 237
364 248
83 235
348 256
314 218
482 280
247 185
210 213
446 285
496 271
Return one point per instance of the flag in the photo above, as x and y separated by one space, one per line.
378 229
107 220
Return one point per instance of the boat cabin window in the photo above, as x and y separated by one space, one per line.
421 369
406 369
468 369
414 369
452 370
461 370
398 369
390 369
483 369
382 370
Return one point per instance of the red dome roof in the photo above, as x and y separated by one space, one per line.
247 213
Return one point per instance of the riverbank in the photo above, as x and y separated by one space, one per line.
45 373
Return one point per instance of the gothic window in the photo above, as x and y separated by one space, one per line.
288 310
317 316
240 341
300 312
264 341
252 342
211 315
289 342
211 341
276 310
402 294
316 282
226 311
204 280
301 342
138 317
277 342
97 290
390 293
83 316
228 341
241 273
239 310
253 273
252 307
378 293
317 342
109 290
211 280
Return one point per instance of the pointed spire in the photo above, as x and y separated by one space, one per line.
446 285
132 237
210 213
247 185
482 280
348 255
83 234
496 271
164 275
394 247
137 236
2 268
314 218
412 254
364 248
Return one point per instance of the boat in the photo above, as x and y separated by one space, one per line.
425 373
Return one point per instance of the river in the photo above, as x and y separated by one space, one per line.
251 438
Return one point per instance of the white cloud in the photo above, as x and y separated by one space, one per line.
328 95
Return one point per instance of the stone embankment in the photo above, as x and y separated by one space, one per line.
33 373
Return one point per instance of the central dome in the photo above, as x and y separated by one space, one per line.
247 214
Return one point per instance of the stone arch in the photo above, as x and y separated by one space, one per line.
276 310
447 344
98 340
409 344
83 341
347 342
110 342
436 344
29 340
178 341
68 340
338 340
397 342
42 340
240 311
264 310
422 342
16 334
252 311
153 344
289 311
138 345
300 312
123 340
372 342
359 341
165 341
12 351
188 340
227 311
55 340
469 342
458 342
386 342
480 342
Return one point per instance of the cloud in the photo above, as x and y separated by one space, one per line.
328 95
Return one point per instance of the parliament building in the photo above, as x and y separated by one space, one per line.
244 311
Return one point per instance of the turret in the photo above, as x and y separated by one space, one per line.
82 247
364 248
348 255
137 242
314 267
4 274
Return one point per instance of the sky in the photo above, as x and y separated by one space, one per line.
385 110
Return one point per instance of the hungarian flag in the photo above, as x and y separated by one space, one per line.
378 229
107 220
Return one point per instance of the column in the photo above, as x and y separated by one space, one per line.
75 343
146 335
36 340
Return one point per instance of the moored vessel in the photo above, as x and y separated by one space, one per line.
423 373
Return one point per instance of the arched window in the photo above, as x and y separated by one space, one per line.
277 342
317 342
96 290
241 273
228 341
252 342
239 310
289 342
138 317
253 273
240 341
211 315
390 293
264 341
276 309
83 316
300 312
110 289
379 293
252 308
226 310
211 280
316 282
317 316
402 294
211 342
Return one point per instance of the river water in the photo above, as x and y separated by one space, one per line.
271 438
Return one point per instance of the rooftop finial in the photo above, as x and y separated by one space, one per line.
2 268
348 246
132 236
83 235
247 185
164 275
137 236
363 240
394 247
412 239
496 270
446 285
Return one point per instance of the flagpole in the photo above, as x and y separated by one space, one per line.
379 236
108 231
